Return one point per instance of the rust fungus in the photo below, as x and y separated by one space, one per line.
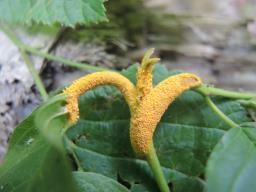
147 103
88 82
153 106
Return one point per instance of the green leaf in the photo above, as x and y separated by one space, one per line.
99 143
232 166
93 182
184 139
49 12
130 171
32 164
51 120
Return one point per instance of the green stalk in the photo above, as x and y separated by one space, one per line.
11 36
206 90
225 118
58 59
248 103
48 56
36 77
157 170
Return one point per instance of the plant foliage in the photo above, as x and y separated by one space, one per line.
101 156
49 12
235 155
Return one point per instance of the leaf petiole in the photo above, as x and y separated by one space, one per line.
248 103
62 60
48 56
208 90
35 75
157 170
244 98
225 118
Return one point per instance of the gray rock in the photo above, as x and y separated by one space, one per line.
17 96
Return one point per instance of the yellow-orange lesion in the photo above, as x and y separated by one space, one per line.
153 106
88 82
147 103
144 74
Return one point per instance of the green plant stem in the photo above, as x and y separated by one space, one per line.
35 75
248 103
157 170
220 113
48 56
38 82
206 90
58 59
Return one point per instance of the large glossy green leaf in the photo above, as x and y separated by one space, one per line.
92 182
33 164
131 171
232 164
51 120
65 12
183 140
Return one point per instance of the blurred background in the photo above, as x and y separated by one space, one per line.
214 39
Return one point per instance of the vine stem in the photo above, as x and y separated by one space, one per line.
248 103
157 170
48 56
38 82
35 75
206 90
64 61
225 118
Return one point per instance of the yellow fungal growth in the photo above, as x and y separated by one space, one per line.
144 75
147 104
88 82
153 106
